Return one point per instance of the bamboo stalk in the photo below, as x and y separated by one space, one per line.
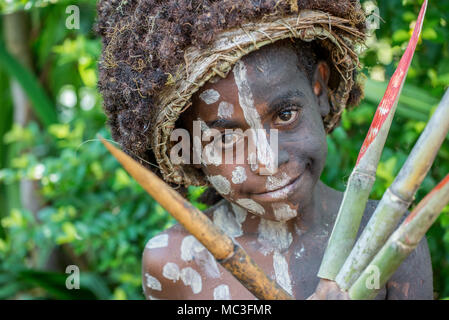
398 196
362 178
228 253
402 242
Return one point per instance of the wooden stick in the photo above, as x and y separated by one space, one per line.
402 242
398 196
228 253
361 181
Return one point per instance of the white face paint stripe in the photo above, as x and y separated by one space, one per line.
171 271
221 184
238 175
251 205
160 241
222 292
246 99
264 152
239 212
192 278
210 96
225 110
227 222
280 266
153 283
273 235
283 212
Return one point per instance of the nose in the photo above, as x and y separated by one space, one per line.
261 169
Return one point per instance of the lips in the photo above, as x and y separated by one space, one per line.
281 193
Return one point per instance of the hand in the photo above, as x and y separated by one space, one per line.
328 290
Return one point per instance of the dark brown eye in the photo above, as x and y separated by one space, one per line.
228 140
286 117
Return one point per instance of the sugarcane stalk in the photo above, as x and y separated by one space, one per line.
362 178
402 242
398 196
228 253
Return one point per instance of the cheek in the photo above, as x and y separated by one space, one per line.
239 175
308 141
221 183
228 180
316 149
308 147
220 177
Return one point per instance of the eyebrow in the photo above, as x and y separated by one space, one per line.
279 101
224 123
275 105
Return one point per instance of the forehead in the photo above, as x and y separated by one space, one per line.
272 71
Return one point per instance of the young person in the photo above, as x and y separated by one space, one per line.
240 74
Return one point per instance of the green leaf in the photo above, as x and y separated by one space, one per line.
41 104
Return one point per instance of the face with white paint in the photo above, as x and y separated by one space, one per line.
268 89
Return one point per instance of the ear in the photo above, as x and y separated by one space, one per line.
320 82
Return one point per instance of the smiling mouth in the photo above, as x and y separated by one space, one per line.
278 194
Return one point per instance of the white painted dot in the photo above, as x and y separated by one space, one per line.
251 206
222 292
225 110
274 183
238 175
192 278
160 241
221 184
171 271
193 250
210 96
153 283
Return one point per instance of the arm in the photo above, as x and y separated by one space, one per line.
154 287
161 271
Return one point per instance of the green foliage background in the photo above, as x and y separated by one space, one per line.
99 218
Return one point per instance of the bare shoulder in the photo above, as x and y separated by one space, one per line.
159 250
176 266
414 277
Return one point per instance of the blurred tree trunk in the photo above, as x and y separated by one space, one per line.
16 28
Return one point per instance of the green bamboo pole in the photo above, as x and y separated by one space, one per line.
398 196
363 176
402 242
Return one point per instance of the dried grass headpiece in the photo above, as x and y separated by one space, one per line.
335 34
